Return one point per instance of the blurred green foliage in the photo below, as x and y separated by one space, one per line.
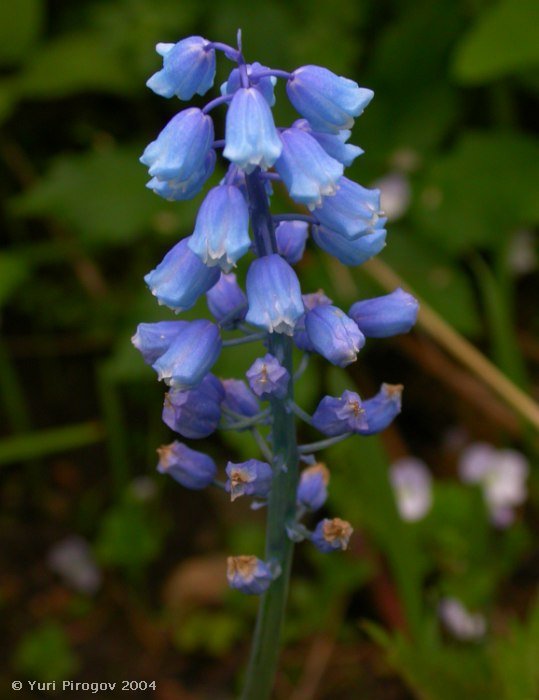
456 86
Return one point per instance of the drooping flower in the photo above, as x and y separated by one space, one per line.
251 138
351 252
339 415
352 212
312 488
310 301
180 278
333 334
153 339
330 535
382 317
310 175
190 356
226 301
190 468
264 84
181 190
180 151
268 378
239 398
251 478
328 101
195 413
291 237
381 409
412 486
249 574
221 234
188 68
274 295
333 144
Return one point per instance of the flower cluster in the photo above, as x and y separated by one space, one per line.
235 222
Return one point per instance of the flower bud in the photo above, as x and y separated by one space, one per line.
190 468
265 85
188 68
227 301
333 334
387 315
312 488
274 295
239 398
251 478
268 378
382 409
221 234
180 278
352 212
340 415
291 237
330 535
354 252
306 169
190 356
181 149
194 413
249 574
250 136
328 101
333 144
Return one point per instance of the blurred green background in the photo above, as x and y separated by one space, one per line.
110 573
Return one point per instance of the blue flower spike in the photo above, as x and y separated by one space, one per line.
188 69
268 378
188 467
235 228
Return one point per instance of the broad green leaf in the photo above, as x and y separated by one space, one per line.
74 63
504 40
20 25
480 191
44 654
101 195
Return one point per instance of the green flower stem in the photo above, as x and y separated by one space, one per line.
282 500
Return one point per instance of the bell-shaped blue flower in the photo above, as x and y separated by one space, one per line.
382 409
194 413
182 190
190 468
351 252
251 139
310 301
226 301
328 101
181 149
249 574
251 478
180 278
268 378
274 295
387 315
153 339
239 398
330 535
339 415
312 488
333 144
291 237
190 356
188 68
306 169
352 212
221 234
334 335
264 84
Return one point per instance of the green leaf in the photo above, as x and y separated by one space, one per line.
20 25
100 194
73 63
14 270
504 40
44 654
480 191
